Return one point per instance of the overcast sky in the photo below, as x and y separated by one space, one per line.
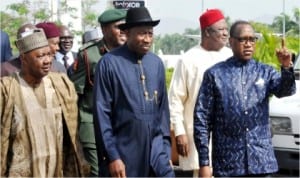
176 15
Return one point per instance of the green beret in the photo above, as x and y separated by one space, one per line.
111 15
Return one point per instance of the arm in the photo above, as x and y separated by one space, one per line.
203 114
78 74
6 108
103 98
105 139
283 85
177 97
164 112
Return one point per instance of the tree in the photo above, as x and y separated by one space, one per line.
175 43
90 17
291 25
13 18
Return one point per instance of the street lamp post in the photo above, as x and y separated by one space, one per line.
202 6
283 19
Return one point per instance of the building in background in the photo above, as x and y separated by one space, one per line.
126 4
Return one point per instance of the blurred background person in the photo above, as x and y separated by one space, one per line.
52 33
64 55
91 36
6 51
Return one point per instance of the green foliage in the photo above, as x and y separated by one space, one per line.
20 8
268 43
169 73
17 14
90 17
10 24
265 50
41 15
174 43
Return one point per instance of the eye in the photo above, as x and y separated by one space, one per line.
244 40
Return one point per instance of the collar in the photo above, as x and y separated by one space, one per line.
239 62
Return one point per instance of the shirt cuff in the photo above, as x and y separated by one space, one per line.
204 163
179 128
113 154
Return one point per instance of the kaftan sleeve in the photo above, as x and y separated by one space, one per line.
284 84
165 114
203 113
177 97
103 98
6 109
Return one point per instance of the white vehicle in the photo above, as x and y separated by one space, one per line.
285 119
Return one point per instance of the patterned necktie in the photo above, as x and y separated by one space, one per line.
65 59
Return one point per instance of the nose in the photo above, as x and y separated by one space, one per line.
48 59
248 43
147 38
56 47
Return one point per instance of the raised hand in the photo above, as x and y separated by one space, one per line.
284 56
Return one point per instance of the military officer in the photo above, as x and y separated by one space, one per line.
83 77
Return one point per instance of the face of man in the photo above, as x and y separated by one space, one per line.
243 42
54 45
218 34
112 35
65 40
140 38
37 62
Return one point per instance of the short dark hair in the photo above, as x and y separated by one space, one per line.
234 27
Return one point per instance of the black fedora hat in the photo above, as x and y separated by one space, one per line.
137 17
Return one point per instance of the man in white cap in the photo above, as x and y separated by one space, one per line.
38 111
186 81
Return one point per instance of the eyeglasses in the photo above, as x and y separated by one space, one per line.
244 40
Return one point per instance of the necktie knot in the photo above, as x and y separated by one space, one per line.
65 59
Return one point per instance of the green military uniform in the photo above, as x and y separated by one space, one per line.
83 78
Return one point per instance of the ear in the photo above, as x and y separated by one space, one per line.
22 58
230 41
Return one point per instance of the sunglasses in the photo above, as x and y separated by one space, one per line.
244 40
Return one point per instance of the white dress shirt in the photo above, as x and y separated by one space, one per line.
59 57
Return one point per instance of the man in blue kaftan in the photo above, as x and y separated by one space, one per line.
233 105
131 114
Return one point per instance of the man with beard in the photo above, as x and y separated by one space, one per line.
82 74
131 112
38 112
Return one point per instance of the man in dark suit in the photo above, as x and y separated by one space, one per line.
65 56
